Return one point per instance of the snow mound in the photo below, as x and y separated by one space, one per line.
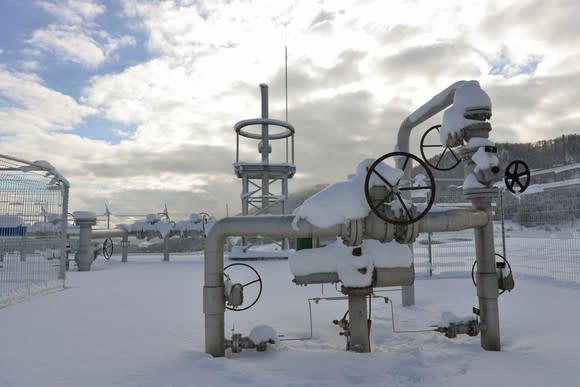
344 201
353 271
263 333
468 96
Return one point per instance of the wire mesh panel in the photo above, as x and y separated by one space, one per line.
539 234
452 252
543 232
33 205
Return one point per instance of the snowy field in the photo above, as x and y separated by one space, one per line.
141 324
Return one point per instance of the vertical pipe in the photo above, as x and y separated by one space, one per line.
265 147
487 285
265 134
166 248
502 223
85 256
125 247
359 328
64 234
430 254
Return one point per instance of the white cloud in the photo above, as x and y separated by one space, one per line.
69 44
76 37
356 69
36 107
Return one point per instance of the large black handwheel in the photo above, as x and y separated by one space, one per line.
107 248
517 173
445 158
257 280
392 207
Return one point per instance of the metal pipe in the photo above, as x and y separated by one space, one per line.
166 248
454 220
115 233
85 256
423 113
265 135
213 290
359 328
64 235
487 286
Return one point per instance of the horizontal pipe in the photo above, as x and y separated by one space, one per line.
453 220
113 233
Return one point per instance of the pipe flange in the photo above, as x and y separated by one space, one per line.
478 129
355 232
356 291
406 234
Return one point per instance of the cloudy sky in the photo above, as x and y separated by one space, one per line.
134 101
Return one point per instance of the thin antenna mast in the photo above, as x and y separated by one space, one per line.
286 80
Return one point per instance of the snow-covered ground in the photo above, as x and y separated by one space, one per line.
141 324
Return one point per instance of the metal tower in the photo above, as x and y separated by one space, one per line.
259 179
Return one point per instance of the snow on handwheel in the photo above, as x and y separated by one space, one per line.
444 159
397 198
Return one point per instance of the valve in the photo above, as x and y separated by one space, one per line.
389 204
505 281
469 328
344 324
234 292
517 173
446 159
107 248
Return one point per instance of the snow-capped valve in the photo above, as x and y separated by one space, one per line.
470 328
259 339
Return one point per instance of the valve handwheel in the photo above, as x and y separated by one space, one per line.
517 173
107 248
257 280
505 261
447 159
408 213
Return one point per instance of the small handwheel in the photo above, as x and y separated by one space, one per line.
517 173
497 255
257 279
399 210
444 160
107 248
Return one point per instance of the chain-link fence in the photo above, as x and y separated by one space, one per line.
538 232
33 207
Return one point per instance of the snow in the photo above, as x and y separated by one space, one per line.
84 215
467 96
472 182
263 333
344 201
484 160
338 258
141 324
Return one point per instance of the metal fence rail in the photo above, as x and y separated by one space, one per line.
33 205
541 231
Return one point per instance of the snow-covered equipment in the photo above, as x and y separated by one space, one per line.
375 215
